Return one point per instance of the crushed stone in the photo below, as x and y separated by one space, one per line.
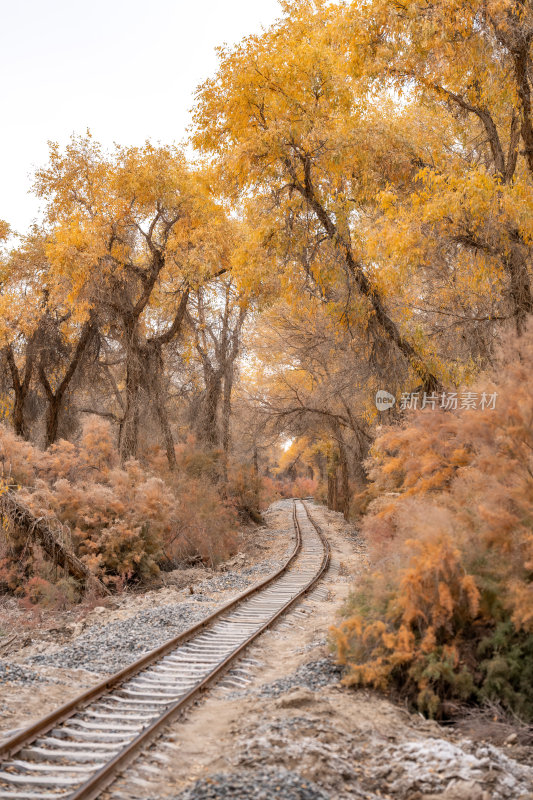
363 763
109 648
11 672
312 675
268 784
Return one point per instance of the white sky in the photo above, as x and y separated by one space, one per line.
126 69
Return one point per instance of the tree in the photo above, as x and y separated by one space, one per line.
132 232
285 121
317 389
21 376
57 346
45 339
381 144
463 71
24 298
216 322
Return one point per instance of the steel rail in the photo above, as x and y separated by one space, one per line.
102 778
12 745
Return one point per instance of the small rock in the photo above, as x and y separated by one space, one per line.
296 698
465 790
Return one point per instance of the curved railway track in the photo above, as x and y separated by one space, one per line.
75 752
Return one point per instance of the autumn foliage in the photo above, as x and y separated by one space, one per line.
125 522
446 613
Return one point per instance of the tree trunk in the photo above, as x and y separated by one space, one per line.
168 439
155 370
256 481
129 427
21 387
356 269
55 399
144 373
332 487
226 417
322 468
19 422
522 70
52 419
520 285
207 426
345 482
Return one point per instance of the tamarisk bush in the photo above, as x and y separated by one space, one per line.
446 613
125 522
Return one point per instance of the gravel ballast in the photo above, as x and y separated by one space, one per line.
269 784
313 675
15 673
109 648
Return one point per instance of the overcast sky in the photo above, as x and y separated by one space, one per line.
126 69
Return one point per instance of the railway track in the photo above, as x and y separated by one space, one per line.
75 752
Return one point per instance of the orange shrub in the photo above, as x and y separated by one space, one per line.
299 487
447 613
125 521
269 492
55 596
244 490
204 526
